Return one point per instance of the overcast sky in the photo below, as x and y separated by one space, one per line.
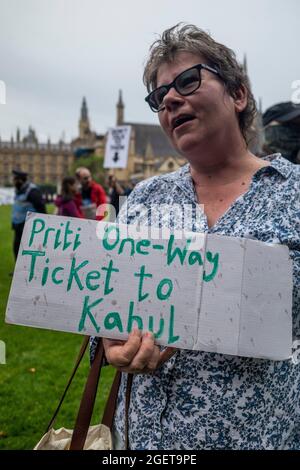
54 52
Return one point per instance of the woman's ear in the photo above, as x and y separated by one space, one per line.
240 99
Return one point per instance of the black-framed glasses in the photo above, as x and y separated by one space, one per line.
186 83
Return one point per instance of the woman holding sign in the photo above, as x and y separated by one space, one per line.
205 400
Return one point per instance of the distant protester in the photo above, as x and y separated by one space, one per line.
92 194
130 186
66 201
115 191
28 198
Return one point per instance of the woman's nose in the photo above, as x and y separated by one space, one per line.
172 99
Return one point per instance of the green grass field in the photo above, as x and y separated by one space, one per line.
38 364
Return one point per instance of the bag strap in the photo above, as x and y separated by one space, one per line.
89 395
111 404
87 401
110 407
78 361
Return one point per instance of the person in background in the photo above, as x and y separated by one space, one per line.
77 174
92 195
129 187
28 197
115 191
66 203
78 198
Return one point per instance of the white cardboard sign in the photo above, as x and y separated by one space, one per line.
117 147
192 290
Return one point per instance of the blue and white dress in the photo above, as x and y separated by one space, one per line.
200 400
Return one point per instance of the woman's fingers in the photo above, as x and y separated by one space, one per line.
153 361
138 354
119 353
147 356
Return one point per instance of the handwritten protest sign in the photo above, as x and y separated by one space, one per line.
117 147
227 295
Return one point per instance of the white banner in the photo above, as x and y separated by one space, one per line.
193 291
117 147
7 196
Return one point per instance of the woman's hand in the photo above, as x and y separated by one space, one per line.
137 355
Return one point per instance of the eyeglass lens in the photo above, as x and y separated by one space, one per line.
186 83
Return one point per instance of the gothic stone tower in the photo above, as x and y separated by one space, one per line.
120 110
84 124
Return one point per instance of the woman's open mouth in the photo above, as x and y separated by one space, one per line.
181 120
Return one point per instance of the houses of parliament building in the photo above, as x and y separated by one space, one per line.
47 163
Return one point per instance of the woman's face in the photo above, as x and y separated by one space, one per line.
73 188
211 109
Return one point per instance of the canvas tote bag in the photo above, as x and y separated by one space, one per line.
84 436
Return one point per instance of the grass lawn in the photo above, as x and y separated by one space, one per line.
38 364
